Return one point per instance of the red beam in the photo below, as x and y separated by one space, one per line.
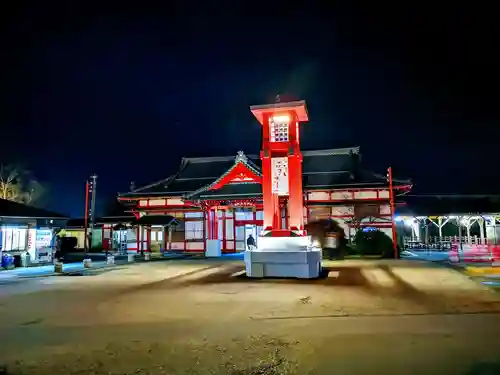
393 210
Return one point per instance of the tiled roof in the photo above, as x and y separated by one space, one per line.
193 174
185 186
240 158
206 167
321 169
18 210
333 160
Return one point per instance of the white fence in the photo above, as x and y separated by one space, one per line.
471 240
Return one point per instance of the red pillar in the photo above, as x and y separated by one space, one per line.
267 192
148 239
296 200
234 228
393 211
224 247
138 235
205 229
209 223
216 225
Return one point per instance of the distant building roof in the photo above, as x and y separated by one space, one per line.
9 209
80 222
131 220
452 204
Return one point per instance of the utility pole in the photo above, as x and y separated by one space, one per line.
93 185
90 195
86 218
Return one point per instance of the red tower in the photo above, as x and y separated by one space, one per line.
282 166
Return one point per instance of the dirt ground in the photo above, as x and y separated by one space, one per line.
206 317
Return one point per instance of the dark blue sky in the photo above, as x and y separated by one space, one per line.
126 92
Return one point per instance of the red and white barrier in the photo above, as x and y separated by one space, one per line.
474 253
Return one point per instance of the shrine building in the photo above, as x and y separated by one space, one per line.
221 197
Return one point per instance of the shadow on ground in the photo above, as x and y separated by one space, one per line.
168 283
424 300
483 368
93 272
335 276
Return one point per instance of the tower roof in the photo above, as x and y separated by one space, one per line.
299 107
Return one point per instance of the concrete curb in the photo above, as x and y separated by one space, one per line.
68 272
94 268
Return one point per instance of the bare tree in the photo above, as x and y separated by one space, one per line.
9 183
319 229
362 213
17 184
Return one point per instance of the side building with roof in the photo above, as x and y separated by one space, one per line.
28 229
221 198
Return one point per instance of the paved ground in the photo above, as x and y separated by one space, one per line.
98 261
205 317
485 272
46 270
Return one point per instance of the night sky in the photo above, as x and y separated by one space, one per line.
125 92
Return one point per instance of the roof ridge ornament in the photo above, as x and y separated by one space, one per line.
241 157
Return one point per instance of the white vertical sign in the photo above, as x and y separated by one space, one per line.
32 242
280 175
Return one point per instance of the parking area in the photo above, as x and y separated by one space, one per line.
209 317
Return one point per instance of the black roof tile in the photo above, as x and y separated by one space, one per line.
180 187
14 209
341 179
206 167
323 180
321 169
334 160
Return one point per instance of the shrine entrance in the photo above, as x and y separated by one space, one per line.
243 229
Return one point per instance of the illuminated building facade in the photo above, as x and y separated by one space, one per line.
227 198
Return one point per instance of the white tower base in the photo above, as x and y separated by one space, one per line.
283 257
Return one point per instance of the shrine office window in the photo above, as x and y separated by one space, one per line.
194 230
243 213
279 129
